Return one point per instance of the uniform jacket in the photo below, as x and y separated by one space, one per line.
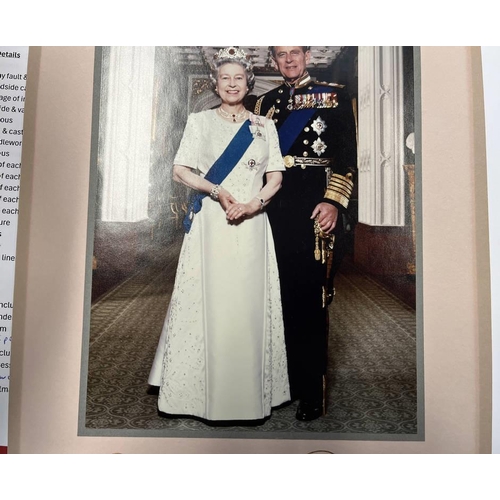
325 145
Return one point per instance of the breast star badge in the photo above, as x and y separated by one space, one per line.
318 125
319 147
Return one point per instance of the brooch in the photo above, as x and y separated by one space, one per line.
251 165
257 128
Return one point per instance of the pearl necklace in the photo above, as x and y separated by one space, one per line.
230 116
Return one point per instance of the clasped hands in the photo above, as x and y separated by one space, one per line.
235 211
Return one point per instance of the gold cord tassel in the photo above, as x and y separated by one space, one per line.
317 252
327 242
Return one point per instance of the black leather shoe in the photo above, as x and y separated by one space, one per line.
309 410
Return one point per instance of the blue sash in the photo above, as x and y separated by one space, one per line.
293 125
221 168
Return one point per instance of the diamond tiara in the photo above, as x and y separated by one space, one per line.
230 53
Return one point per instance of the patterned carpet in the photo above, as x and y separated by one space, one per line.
372 389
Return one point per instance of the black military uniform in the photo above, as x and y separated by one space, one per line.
319 151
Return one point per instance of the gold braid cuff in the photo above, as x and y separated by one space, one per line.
340 189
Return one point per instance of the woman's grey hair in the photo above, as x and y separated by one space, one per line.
232 56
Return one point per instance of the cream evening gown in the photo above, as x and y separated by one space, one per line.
221 354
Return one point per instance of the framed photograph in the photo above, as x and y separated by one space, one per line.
143 96
51 371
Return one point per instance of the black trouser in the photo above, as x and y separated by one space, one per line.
305 327
302 279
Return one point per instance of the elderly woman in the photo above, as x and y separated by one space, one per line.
221 355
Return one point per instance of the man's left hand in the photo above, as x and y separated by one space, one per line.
327 215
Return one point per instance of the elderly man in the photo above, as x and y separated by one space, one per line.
317 134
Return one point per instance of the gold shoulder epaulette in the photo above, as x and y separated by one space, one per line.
258 104
338 85
270 113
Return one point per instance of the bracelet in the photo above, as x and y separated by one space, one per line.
262 202
214 193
